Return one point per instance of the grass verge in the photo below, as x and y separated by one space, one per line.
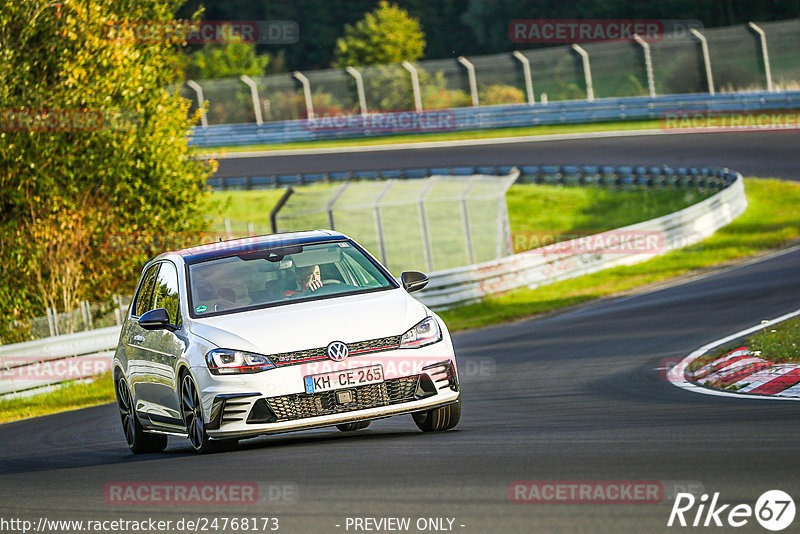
772 220
69 397
547 129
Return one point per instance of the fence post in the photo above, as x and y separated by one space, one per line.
379 221
465 219
648 64
423 219
333 201
200 101
307 92
762 38
251 229
587 71
414 84
228 233
273 214
503 245
706 59
473 82
87 315
254 93
362 99
526 72
117 310
51 322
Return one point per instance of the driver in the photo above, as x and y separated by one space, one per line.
308 278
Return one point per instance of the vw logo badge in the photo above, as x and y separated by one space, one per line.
337 351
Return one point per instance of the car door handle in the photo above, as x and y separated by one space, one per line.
138 338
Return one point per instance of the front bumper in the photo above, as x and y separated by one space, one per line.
275 401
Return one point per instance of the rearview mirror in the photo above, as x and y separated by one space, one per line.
155 320
413 280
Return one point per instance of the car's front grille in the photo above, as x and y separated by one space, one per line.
374 345
300 405
319 353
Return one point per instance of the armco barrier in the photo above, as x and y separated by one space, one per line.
621 176
471 283
537 267
33 364
505 116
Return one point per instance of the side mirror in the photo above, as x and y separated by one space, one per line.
413 280
156 320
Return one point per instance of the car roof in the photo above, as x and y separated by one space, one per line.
233 247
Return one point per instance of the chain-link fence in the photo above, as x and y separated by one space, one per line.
88 316
434 223
738 59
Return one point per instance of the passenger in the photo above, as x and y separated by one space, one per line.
308 278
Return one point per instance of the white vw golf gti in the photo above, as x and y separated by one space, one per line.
274 334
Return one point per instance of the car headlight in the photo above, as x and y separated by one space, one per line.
424 333
228 361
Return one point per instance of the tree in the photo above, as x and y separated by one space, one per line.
229 60
386 35
93 151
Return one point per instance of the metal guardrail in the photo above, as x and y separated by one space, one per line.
35 364
464 284
621 176
505 116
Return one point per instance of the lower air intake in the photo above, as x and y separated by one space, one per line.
299 405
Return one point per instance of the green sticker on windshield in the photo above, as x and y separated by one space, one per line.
201 309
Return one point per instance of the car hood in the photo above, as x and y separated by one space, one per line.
312 324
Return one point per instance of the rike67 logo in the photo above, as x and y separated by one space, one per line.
774 510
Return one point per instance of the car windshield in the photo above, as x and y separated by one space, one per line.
275 276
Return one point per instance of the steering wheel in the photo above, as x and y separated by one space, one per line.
331 281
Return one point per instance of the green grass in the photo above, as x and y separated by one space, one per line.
772 219
547 129
541 212
69 397
779 343
242 207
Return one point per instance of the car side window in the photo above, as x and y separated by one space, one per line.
146 290
165 293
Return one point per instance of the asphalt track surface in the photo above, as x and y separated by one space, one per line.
579 395
769 154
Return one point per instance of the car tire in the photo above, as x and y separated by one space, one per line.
139 441
352 427
438 419
192 413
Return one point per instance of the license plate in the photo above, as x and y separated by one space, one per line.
345 378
